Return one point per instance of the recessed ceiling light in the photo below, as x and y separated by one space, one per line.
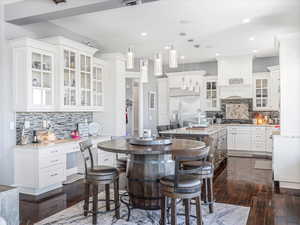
197 46
184 21
246 20
217 54
190 40
251 38
144 34
255 51
182 57
182 34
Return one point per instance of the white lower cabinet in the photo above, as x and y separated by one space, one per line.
256 139
39 169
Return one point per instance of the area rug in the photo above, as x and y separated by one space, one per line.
263 164
224 214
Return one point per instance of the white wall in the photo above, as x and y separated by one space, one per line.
7 136
290 84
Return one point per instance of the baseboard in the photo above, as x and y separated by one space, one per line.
248 154
289 185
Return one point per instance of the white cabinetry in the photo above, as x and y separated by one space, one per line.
211 95
250 139
74 74
33 71
97 84
38 170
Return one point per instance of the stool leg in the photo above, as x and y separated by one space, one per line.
210 195
206 190
198 211
86 199
95 203
107 197
117 200
164 207
187 204
173 212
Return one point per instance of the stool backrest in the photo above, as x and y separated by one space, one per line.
86 152
191 155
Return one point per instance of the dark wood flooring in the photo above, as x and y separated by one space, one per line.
239 183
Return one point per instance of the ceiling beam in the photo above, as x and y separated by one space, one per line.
36 11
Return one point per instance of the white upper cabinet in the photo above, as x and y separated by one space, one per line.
97 84
211 95
266 91
74 74
33 71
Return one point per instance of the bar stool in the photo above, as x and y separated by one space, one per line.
121 161
206 174
95 176
184 184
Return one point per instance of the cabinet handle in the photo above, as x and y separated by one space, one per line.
54 151
54 161
54 175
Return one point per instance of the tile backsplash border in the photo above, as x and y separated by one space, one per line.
62 123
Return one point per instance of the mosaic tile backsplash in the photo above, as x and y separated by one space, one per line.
62 123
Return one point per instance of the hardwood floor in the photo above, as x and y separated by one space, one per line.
239 183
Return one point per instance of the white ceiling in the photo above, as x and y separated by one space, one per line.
216 25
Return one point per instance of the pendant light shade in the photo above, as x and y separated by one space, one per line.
158 70
173 61
144 70
183 85
130 59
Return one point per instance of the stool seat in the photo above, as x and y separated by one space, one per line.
207 168
102 170
122 159
184 181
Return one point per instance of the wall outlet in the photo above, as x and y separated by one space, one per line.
11 125
45 124
27 124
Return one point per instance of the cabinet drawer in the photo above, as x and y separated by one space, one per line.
51 175
52 161
50 152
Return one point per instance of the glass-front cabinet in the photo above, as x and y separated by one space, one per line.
55 74
33 70
70 81
97 84
85 80
211 95
261 92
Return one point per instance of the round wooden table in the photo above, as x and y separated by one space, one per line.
147 164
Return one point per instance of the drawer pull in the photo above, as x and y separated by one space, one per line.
54 175
54 151
53 161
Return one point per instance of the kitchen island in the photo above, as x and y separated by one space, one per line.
215 136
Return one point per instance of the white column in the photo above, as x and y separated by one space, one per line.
141 108
113 118
289 53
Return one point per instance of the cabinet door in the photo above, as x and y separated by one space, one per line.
70 80
97 84
85 80
243 141
211 95
42 78
262 92
231 141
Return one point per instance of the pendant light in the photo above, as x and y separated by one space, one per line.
191 87
173 61
183 85
144 70
130 59
158 64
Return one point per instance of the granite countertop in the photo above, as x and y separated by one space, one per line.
198 131
4 188
210 130
62 141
